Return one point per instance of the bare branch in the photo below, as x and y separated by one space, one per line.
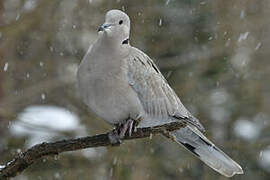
25 159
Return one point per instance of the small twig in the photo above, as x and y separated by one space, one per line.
25 159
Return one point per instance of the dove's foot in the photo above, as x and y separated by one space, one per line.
114 137
130 126
127 126
120 131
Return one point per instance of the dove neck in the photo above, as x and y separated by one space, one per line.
112 45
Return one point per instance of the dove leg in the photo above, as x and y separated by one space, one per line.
116 135
127 126
130 126
119 132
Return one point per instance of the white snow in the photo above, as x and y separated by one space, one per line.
258 46
241 58
6 66
168 75
202 3
160 22
243 36
151 136
19 150
115 160
57 175
17 17
51 49
246 129
264 159
29 5
242 14
43 122
43 96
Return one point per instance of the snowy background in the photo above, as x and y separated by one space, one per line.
215 54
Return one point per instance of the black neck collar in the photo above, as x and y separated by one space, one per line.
125 41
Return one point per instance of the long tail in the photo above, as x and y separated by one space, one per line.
193 140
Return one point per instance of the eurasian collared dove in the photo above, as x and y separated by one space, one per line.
122 85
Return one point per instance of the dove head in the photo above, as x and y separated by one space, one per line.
116 27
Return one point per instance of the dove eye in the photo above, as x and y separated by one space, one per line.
121 22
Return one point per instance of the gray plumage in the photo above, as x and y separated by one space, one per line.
120 82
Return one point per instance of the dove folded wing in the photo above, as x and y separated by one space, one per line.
160 102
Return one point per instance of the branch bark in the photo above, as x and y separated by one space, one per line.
25 159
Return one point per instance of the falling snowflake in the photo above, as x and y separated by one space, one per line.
6 66
43 96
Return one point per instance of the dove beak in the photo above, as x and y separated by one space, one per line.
104 27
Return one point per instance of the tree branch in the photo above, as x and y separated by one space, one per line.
25 159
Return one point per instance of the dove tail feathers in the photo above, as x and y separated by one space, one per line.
194 141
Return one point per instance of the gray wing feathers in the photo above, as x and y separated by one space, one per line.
193 140
148 84
162 104
157 97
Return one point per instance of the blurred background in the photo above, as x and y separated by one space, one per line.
213 53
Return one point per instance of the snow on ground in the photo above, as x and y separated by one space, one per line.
43 123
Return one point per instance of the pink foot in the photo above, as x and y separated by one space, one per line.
126 127
119 133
